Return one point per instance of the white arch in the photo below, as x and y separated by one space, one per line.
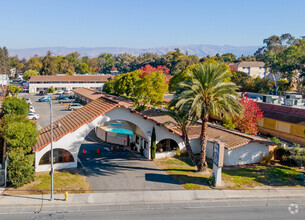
73 140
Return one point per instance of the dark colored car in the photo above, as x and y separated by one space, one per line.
43 92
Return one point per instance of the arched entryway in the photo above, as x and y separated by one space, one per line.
166 145
59 156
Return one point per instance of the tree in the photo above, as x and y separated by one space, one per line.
14 62
272 54
49 65
208 93
148 69
14 90
105 62
84 68
14 105
124 62
19 132
4 61
250 116
21 170
27 74
34 63
183 121
152 88
153 144
228 57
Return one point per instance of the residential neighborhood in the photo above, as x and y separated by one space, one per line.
118 123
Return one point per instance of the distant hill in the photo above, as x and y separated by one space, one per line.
199 50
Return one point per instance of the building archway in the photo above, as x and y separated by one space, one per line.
166 145
60 156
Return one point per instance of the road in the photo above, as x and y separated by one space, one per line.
228 209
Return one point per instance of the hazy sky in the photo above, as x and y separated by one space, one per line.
146 23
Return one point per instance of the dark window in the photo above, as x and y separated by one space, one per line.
137 139
59 155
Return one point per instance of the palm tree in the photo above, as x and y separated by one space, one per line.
183 121
209 92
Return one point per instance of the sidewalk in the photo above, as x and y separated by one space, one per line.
140 197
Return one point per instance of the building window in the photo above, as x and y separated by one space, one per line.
59 155
145 145
137 139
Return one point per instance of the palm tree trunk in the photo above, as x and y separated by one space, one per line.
188 147
202 165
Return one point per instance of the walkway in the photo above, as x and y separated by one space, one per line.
120 170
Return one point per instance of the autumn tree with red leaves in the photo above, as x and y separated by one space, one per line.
148 69
250 117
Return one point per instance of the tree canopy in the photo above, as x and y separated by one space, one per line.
14 105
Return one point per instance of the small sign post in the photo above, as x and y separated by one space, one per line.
218 151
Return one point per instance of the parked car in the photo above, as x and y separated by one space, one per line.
32 109
33 116
67 91
28 101
66 100
45 99
43 92
74 106
60 92
64 96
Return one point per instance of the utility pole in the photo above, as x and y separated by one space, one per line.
51 125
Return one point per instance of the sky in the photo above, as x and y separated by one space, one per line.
146 23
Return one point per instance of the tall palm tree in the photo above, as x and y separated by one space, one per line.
209 92
183 121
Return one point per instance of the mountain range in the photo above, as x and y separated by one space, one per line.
199 50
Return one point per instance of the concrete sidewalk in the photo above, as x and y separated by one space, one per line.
138 197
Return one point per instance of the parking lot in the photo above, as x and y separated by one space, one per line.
43 109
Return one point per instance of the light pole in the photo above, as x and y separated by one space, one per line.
51 125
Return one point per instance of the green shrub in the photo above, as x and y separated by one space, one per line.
281 153
211 180
21 168
275 140
227 123
51 89
178 153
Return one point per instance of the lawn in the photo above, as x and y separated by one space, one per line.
68 180
242 177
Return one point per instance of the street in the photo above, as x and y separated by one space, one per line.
223 209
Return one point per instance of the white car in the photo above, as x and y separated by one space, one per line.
33 116
67 92
60 92
28 100
32 109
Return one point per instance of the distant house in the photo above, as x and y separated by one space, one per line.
65 82
252 68
114 71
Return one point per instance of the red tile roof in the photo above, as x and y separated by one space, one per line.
283 113
73 78
93 94
73 121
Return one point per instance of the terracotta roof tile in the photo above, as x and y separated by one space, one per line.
93 94
73 78
74 120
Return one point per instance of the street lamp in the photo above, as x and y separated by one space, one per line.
51 125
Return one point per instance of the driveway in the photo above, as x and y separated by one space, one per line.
119 171
43 109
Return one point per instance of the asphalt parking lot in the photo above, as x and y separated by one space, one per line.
43 109
119 170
